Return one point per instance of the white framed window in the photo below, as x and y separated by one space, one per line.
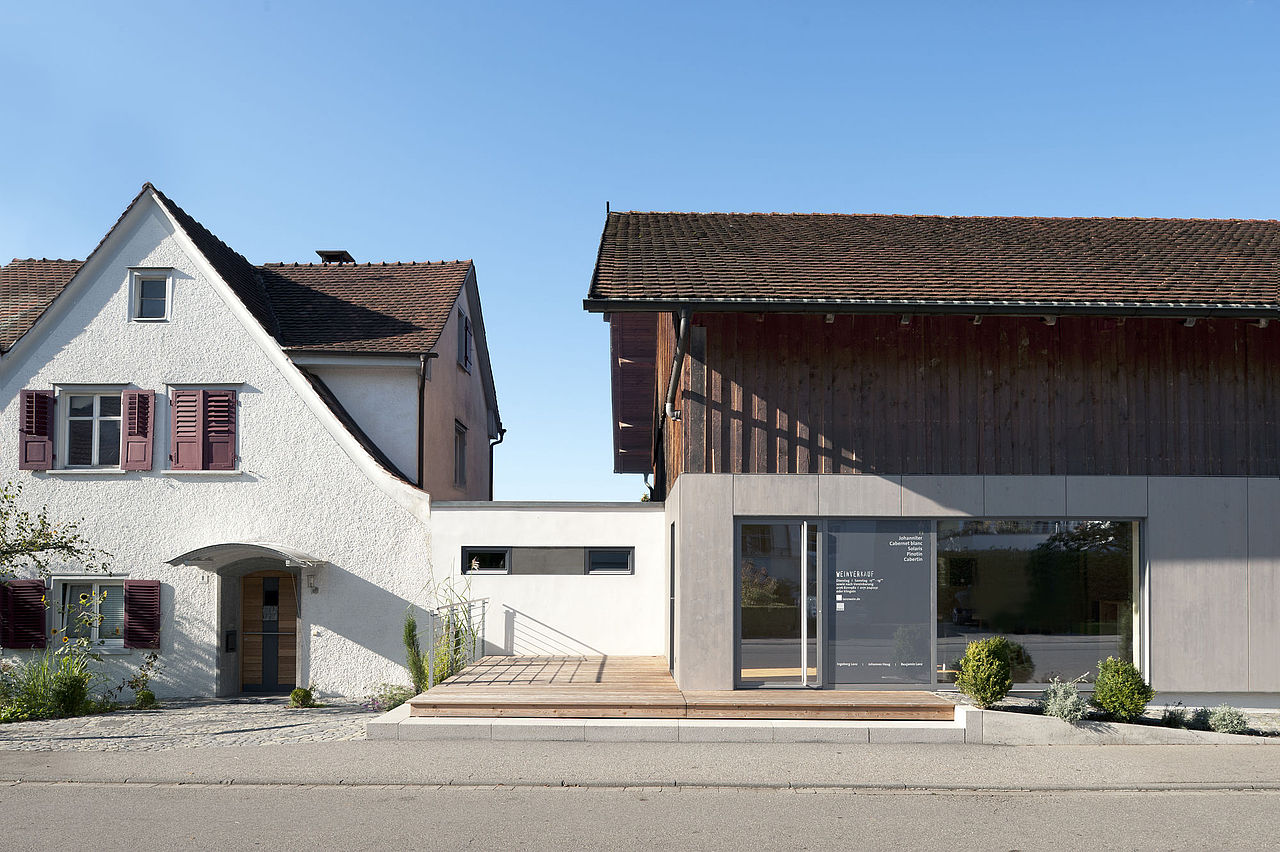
92 610
91 428
150 293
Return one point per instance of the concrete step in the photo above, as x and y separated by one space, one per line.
399 725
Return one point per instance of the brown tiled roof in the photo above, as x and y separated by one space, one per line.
823 259
384 307
230 265
27 288
373 308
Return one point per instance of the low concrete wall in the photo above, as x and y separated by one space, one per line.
995 727
560 614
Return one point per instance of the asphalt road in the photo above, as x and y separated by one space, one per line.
565 818
510 795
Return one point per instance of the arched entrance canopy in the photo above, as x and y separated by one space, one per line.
215 556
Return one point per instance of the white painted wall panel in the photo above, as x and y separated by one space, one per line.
561 614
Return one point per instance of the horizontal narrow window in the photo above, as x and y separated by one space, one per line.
615 561
486 560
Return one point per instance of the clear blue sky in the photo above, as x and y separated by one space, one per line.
498 131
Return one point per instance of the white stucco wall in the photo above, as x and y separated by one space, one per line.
297 485
561 614
383 400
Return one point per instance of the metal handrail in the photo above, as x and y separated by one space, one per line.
463 622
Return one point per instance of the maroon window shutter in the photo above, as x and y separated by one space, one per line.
220 430
35 430
142 613
186 449
24 614
139 429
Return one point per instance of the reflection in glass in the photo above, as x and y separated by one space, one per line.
80 442
1062 589
769 592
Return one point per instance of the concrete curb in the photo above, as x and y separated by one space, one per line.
996 727
399 725
971 726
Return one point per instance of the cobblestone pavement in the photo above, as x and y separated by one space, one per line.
192 724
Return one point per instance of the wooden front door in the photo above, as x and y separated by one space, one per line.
269 625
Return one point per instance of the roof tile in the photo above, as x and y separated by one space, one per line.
843 258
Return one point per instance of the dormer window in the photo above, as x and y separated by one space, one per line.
149 295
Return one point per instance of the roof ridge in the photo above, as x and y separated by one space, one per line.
368 263
44 260
782 214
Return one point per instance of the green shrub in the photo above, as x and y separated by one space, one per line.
1063 700
388 696
302 697
144 699
70 692
1021 667
984 671
1121 690
1226 719
1199 720
416 662
1174 717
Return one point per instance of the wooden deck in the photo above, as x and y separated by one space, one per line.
641 687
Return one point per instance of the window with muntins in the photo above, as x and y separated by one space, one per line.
149 297
94 611
93 429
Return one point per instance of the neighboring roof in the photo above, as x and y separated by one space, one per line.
358 308
385 307
27 288
755 261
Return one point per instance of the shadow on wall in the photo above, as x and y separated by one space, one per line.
524 635
361 612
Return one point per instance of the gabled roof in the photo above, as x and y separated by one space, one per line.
358 308
27 288
811 261
384 307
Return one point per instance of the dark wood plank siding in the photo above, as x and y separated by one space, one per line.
941 395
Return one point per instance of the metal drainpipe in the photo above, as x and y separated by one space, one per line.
502 434
422 412
682 346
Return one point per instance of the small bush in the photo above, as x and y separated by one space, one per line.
388 696
1226 719
302 697
1064 701
1174 717
984 671
144 699
1199 720
416 662
70 692
1121 690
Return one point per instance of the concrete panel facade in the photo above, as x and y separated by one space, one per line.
775 494
878 496
704 582
1024 496
1197 547
1210 546
1107 496
1264 585
942 496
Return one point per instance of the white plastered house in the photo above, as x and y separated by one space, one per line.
247 442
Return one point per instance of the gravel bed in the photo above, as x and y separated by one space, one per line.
192 724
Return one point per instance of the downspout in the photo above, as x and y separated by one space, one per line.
682 346
422 413
502 433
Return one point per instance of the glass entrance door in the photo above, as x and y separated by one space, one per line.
778 604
